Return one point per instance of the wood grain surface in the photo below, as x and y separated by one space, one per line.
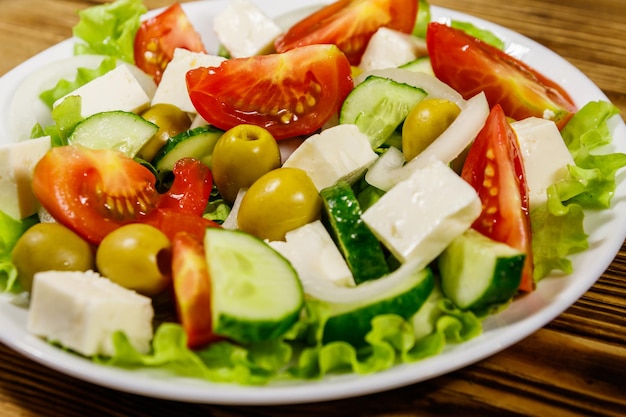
574 366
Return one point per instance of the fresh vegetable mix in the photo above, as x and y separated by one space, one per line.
289 214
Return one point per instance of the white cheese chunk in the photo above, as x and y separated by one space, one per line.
173 87
544 154
390 48
17 162
342 152
421 215
82 311
123 88
244 30
312 252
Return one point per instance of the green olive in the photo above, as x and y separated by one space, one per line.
242 155
281 200
426 121
136 256
171 121
50 247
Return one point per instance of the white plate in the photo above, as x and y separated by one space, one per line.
554 295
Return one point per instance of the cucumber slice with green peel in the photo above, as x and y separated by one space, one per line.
378 106
350 322
478 273
358 245
256 293
124 131
421 64
196 143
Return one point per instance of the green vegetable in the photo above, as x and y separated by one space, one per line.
358 245
256 293
378 106
109 29
83 76
352 321
483 34
423 19
10 231
557 227
478 273
123 131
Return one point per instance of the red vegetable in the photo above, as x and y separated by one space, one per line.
470 66
494 168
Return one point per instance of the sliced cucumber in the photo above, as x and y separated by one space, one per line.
421 64
478 273
256 293
358 245
124 131
378 106
197 143
350 322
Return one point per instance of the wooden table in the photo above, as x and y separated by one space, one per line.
574 366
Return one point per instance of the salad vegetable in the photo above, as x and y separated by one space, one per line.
301 219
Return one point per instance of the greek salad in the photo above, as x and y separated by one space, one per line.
344 191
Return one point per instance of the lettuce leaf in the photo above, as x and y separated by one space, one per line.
109 29
83 76
557 227
10 231
65 116
300 353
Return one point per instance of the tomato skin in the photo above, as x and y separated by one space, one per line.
470 66
159 36
192 290
171 221
289 94
494 168
191 188
349 24
93 192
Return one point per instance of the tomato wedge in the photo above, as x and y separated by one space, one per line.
159 36
494 168
93 192
349 24
289 94
470 66
191 188
192 290
171 222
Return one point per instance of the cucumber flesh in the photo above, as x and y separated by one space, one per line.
421 64
124 131
350 322
378 106
256 293
478 273
196 143
358 245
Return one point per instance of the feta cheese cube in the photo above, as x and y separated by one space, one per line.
342 152
245 30
312 252
82 311
17 162
124 88
544 154
173 87
419 217
390 48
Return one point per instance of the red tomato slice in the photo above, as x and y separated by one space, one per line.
93 192
192 290
470 66
289 94
172 221
349 24
191 188
494 168
159 36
